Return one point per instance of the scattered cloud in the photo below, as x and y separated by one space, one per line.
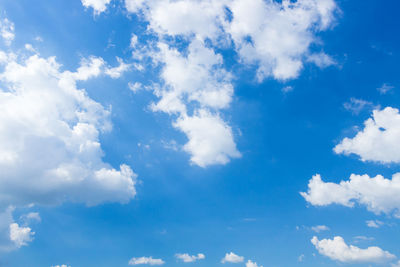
374 223
116 72
337 249
355 105
385 88
190 258
146 260
320 228
232 258
322 60
287 89
301 258
7 31
378 194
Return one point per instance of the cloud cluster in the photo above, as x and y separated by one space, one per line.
378 194
49 140
275 38
337 249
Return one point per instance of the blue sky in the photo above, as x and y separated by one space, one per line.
133 131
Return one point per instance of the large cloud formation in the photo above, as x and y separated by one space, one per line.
271 36
49 141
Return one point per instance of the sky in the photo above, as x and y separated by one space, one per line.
199 133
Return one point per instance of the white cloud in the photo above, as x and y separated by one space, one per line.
385 88
135 87
378 141
21 236
274 36
322 60
49 138
31 217
337 249
190 258
277 36
374 223
116 72
232 258
7 31
379 194
146 260
210 138
249 263
98 6
397 264
320 228
301 258
357 105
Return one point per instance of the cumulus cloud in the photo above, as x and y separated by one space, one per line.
249 263
7 31
378 141
146 260
337 249
232 258
98 6
210 138
190 258
197 79
378 194
21 236
49 138
277 36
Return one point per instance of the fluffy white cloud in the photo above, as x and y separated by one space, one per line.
277 36
320 228
210 139
21 236
197 79
7 31
146 260
249 263
232 258
98 6
379 194
378 141
337 249
190 258
49 138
